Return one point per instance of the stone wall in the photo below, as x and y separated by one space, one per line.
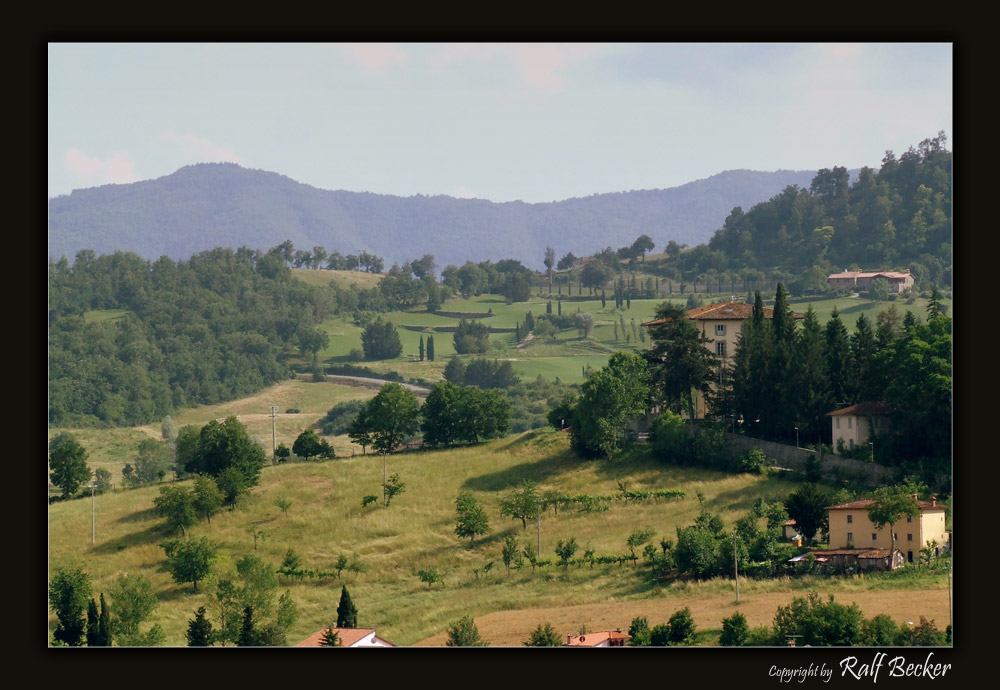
832 465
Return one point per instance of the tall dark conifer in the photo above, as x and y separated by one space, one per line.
347 614
93 623
810 384
838 359
430 348
199 631
421 348
751 363
863 353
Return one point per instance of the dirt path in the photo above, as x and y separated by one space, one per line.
521 345
511 628
366 382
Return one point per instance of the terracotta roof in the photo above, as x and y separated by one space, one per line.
348 637
862 408
723 311
860 553
869 274
864 503
595 638
788 523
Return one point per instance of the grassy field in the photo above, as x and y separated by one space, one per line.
112 448
322 277
417 532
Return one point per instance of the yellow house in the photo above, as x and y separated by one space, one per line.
857 424
850 528
722 324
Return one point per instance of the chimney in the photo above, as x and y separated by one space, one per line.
569 638
915 497
933 501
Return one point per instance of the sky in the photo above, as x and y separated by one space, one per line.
535 122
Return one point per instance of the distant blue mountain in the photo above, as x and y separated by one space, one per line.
210 205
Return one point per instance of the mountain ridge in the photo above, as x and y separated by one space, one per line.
205 205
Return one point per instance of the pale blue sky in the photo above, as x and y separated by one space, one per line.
532 122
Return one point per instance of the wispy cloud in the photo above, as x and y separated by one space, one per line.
118 168
201 148
375 57
539 64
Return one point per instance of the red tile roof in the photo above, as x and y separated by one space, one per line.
723 311
348 637
868 274
862 408
860 553
595 638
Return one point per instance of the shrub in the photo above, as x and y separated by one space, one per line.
753 461
355 355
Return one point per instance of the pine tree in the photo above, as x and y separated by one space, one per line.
810 385
838 358
863 353
347 615
750 365
421 348
777 415
330 638
199 631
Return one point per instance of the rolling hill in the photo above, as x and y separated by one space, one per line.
209 205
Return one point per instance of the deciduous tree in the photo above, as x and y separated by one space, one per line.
189 560
544 636
69 590
464 633
471 518
68 462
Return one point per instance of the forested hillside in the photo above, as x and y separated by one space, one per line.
223 205
212 328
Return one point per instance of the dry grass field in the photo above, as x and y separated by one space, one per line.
416 532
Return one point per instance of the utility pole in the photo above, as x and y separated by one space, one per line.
274 447
736 568
93 515
538 516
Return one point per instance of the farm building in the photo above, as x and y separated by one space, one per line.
862 280
844 560
850 527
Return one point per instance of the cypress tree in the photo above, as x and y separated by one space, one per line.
93 631
347 614
421 348
629 300
750 366
430 348
248 635
548 307
604 301
777 415
104 625
559 306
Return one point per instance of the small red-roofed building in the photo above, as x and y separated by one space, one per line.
855 425
349 637
850 528
601 638
862 280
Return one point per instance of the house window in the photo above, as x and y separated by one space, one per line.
837 420
874 536
909 518
720 348
909 537
850 422
720 329
850 537
850 519
850 443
